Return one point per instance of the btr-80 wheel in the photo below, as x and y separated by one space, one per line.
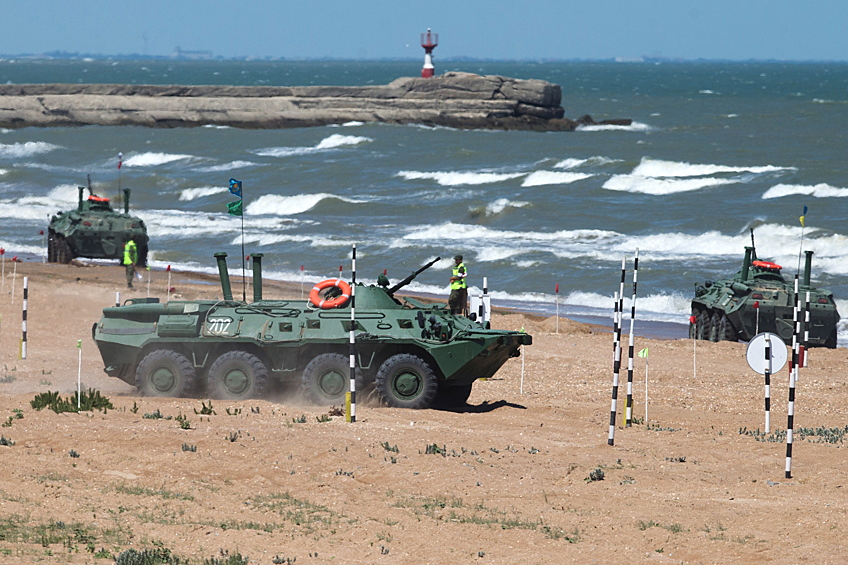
326 379
165 372
406 381
237 375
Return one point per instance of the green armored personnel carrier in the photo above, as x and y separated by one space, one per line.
95 230
759 299
408 354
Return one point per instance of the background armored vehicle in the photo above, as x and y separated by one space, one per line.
408 354
95 230
759 298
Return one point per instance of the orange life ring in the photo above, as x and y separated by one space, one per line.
767 265
337 302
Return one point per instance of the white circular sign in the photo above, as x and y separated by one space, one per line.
756 353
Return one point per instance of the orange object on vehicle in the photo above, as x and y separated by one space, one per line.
337 302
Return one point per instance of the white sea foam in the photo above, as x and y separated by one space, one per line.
459 178
232 165
660 186
199 192
3 171
542 178
817 191
26 149
635 126
352 124
501 204
334 141
659 168
288 205
153 159
574 163
706 92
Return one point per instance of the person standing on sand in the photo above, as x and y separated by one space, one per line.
130 259
459 288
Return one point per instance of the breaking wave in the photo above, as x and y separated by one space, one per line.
542 178
153 159
659 168
334 141
817 191
26 149
194 193
457 178
288 205
659 186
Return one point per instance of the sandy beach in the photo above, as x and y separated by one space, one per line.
523 474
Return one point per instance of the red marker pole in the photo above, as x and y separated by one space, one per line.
692 320
757 326
340 272
3 272
556 300
301 282
43 246
169 282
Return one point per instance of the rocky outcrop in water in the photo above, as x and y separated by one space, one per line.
460 100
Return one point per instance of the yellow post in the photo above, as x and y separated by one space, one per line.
347 407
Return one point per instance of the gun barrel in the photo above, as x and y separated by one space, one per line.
410 278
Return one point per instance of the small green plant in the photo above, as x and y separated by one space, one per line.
134 408
434 449
278 560
6 379
205 410
658 428
88 401
187 447
300 419
183 420
254 409
155 415
73 454
6 441
676 459
596 475
233 436
231 412
323 418
392 448
342 472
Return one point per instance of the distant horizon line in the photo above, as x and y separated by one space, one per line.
197 56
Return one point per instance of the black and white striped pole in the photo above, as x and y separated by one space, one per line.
793 377
630 352
24 322
351 404
616 361
767 374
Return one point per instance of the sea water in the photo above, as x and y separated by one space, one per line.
714 150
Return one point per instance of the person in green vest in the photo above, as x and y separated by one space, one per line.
130 259
459 288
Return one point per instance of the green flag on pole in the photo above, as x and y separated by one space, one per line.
234 208
79 343
643 353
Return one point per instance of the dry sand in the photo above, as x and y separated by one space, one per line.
509 481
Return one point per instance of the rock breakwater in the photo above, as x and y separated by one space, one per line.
460 100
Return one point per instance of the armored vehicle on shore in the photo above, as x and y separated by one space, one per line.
759 299
95 230
408 354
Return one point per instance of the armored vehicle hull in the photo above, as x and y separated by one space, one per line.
95 230
759 299
408 354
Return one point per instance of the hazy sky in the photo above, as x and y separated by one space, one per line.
499 29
